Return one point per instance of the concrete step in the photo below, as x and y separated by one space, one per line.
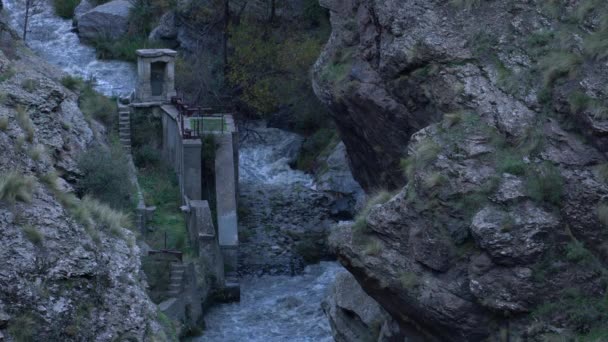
173 293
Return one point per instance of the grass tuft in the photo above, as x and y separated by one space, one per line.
73 83
373 247
425 152
15 187
360 225
556 65
3 123
26 124
545 184
36 152
33 235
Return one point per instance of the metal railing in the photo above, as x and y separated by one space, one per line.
197 127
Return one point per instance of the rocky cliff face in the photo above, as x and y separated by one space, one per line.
60 280
494 114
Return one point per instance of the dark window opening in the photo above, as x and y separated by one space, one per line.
157 78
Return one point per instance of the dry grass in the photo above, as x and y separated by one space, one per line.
15 187
26 124
425 152
3 123
33 235
36 152
374 247
88 211
360 224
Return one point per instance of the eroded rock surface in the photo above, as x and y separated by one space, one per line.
484 117
59 280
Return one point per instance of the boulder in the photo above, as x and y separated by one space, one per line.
355 316
83 7
110 20
166 29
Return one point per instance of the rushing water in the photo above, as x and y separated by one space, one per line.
272 308
53 39
275 308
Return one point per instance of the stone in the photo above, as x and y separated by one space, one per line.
109 20
354 316
515 237
4 319
503 290
336 175
166 28
83 7
68 269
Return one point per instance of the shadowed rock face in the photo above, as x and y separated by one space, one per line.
487 105
58 281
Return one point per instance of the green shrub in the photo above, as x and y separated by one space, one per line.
73 83
161 189
106 176
3 123
545 185
512 164
65 8
106 217
15 187
576 252
7 74
26 124
97 106
147 156
33 235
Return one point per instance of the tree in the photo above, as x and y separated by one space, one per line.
32 7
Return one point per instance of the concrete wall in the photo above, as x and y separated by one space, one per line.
187 307
203 237
225 188
185 156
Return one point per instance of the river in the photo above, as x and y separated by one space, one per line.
272 308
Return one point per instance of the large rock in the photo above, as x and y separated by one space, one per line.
83 7
355 316
492 131
60 280
110 20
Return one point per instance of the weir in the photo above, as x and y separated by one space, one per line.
188 134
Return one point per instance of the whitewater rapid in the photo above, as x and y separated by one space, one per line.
54 39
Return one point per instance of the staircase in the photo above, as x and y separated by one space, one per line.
124 127
177 277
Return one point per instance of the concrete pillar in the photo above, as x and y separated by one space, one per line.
225 189
192 169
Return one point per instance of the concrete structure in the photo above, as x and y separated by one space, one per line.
155 75
184 129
